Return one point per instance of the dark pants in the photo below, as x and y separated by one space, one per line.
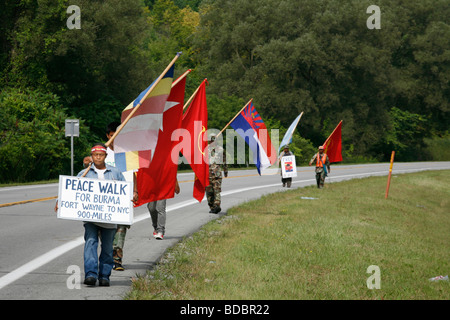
287 181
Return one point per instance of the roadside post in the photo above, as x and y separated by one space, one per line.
72 129
390 173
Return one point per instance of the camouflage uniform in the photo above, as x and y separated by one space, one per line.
217 158
320 172
119 241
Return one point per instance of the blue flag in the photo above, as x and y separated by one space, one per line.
289 133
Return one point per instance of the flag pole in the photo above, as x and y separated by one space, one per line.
193 95
119 128
331 133
234 117
181 78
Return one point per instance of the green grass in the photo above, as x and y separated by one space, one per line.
287 248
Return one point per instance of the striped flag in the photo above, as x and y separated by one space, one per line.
135 144
250 126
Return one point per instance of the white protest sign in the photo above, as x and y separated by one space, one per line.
93 200
288 167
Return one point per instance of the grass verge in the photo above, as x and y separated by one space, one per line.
286 246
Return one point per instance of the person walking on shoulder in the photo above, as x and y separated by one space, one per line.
285 152
99 267
322 166
217 159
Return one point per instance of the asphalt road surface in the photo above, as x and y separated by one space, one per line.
41 256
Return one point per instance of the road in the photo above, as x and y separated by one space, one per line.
42 256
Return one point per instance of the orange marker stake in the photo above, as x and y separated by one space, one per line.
390 173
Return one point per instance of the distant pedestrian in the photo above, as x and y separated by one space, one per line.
322 166
217 160
285 181
157 211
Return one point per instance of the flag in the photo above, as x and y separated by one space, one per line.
287 139
157 182
249 125
333 145
135 144
195 121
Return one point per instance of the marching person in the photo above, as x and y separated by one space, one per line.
322 166
157 210
217 160
121 232
285 152
99 267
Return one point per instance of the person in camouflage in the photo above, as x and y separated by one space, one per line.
217 159
322 166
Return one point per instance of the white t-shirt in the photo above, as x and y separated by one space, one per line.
100 173
101 176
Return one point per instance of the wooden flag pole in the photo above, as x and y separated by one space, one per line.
234 117
390 173
181 78
119 128
193 96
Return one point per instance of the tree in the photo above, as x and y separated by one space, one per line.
97 69
32 142
319 57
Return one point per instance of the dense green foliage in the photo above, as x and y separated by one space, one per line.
389 85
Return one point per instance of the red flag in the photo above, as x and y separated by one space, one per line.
195 121
333 145
157 182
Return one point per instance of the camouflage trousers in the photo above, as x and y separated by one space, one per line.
118 243
320 177
213 192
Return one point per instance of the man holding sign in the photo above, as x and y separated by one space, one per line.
96 203
288 166
99 267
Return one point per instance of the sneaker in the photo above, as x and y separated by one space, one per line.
216 210
118 266
155 233
159 236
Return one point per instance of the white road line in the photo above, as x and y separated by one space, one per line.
39 262
55 253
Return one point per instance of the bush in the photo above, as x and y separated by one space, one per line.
32 143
